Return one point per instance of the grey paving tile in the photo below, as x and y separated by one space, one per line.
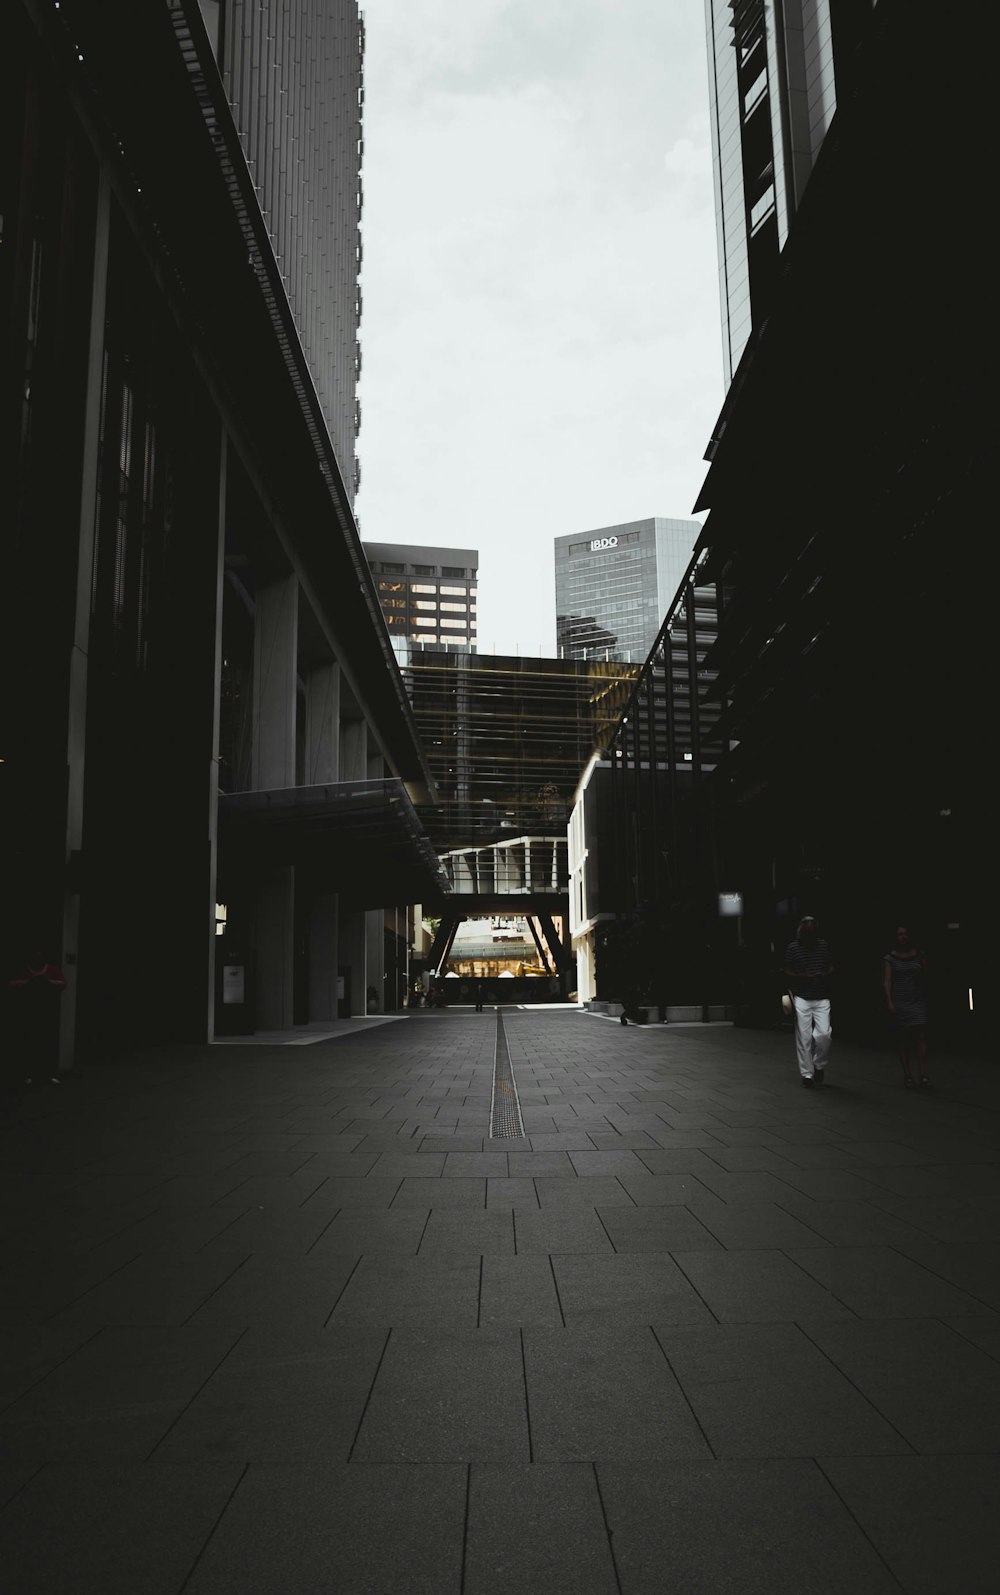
937 1388
888 1153
605 1392
29 1351
478 1233
115 1398
758 1287
157 1288
944 1219
411 1291
294 1397
451 1396
973 1268
756 1226
877 1283
750 1528
531 1165
678 1160
664 1190
340 1165
830 1185
983 1331
353 1530
744 1187
568 1231
518 1194
561 1141
357 1233
438 1140
409 1165
591 1164
933 1519
850 1223
560 1544
655 1229
98 1530
278 1288
620 1140
518 1291
288 1231
627 1289
555 1195
468 1165
456 1193
764 1390
751 1160
368 1191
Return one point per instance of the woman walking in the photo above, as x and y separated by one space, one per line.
904 971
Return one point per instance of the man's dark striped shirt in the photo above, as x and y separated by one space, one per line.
805 960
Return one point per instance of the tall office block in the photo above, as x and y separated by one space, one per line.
615 584
776 69
428 595
293 75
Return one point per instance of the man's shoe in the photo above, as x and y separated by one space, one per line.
807 1080
818 1077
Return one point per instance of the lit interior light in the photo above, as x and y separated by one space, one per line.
971 1003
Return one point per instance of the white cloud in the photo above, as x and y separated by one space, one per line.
541 333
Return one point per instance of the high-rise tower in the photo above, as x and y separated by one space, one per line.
293 74
776 69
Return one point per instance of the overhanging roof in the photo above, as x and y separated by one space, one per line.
361 839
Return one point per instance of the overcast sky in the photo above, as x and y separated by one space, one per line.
540 332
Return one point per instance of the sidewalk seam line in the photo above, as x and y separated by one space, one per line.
371 1391
209 1536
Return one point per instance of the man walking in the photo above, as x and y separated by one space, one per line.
809 970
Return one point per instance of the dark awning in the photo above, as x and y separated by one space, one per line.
361 839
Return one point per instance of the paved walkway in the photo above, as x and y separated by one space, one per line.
285 1320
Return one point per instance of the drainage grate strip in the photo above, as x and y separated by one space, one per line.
505 1109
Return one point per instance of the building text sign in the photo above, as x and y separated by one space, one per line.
599 544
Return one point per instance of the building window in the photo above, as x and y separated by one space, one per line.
423 570
454 592
458 625
755 93
763 208
417 587
457 609
452 570
423 603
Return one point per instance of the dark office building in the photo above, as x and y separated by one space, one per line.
776 74
506 739
428 595
210 758
848 687
615 584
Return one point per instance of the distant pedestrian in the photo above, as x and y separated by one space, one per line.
36 987
904 974
809 971
478 985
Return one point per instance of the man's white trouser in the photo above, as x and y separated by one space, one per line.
812 1033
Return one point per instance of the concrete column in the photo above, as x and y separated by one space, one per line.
323 725
275 662
375 954
77 733
353 750
275 963
214 950
352 955
323 957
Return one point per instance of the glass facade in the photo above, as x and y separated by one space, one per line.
614 585
773 72
424 595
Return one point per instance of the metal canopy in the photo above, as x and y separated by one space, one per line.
361 839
